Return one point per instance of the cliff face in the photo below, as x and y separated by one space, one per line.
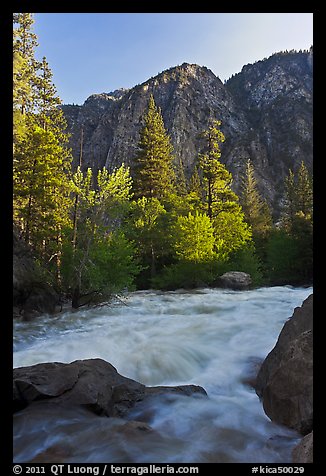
266 114
276 97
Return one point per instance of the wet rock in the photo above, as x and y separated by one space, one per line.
251 371
303 452
236 280
94 384
285 379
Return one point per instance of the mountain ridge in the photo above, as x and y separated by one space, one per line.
266 114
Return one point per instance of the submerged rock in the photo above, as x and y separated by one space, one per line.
76 399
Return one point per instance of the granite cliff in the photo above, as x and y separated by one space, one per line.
266 114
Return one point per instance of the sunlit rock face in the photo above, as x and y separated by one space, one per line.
266 114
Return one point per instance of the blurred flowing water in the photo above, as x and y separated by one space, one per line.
207 337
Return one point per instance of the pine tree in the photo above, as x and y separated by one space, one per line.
24 73
304 192
298 197
41 189
195 194
180 179
153 167
255 208
216 179
48 114
290 248
41 158
24 44
20 87
222 204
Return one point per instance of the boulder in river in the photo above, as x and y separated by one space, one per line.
285 379
93 383
236 280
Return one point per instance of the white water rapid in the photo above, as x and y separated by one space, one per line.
208 337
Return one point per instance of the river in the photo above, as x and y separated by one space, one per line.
207 337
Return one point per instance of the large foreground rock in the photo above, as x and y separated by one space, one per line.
94 384
285 379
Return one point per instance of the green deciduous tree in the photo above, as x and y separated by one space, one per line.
231 232
153 166
194 238
100 259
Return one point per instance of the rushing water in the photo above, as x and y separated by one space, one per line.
205 337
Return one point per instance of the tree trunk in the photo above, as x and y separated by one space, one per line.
153 266
75 297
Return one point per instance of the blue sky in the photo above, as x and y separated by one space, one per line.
100 52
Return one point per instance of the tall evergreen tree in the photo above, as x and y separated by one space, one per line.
41 188
24 44
222 203
41 158
298 197
153 168
290 248
255 208
216 179
48 114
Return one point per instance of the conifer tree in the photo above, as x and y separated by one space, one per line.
222 203
216 179
298 197
180 179
290 248
153 169
41 158
255 208
48 115
41 188
24 44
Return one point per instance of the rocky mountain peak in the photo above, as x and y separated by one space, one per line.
100 100
266 114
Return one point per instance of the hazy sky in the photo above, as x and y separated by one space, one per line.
100 52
